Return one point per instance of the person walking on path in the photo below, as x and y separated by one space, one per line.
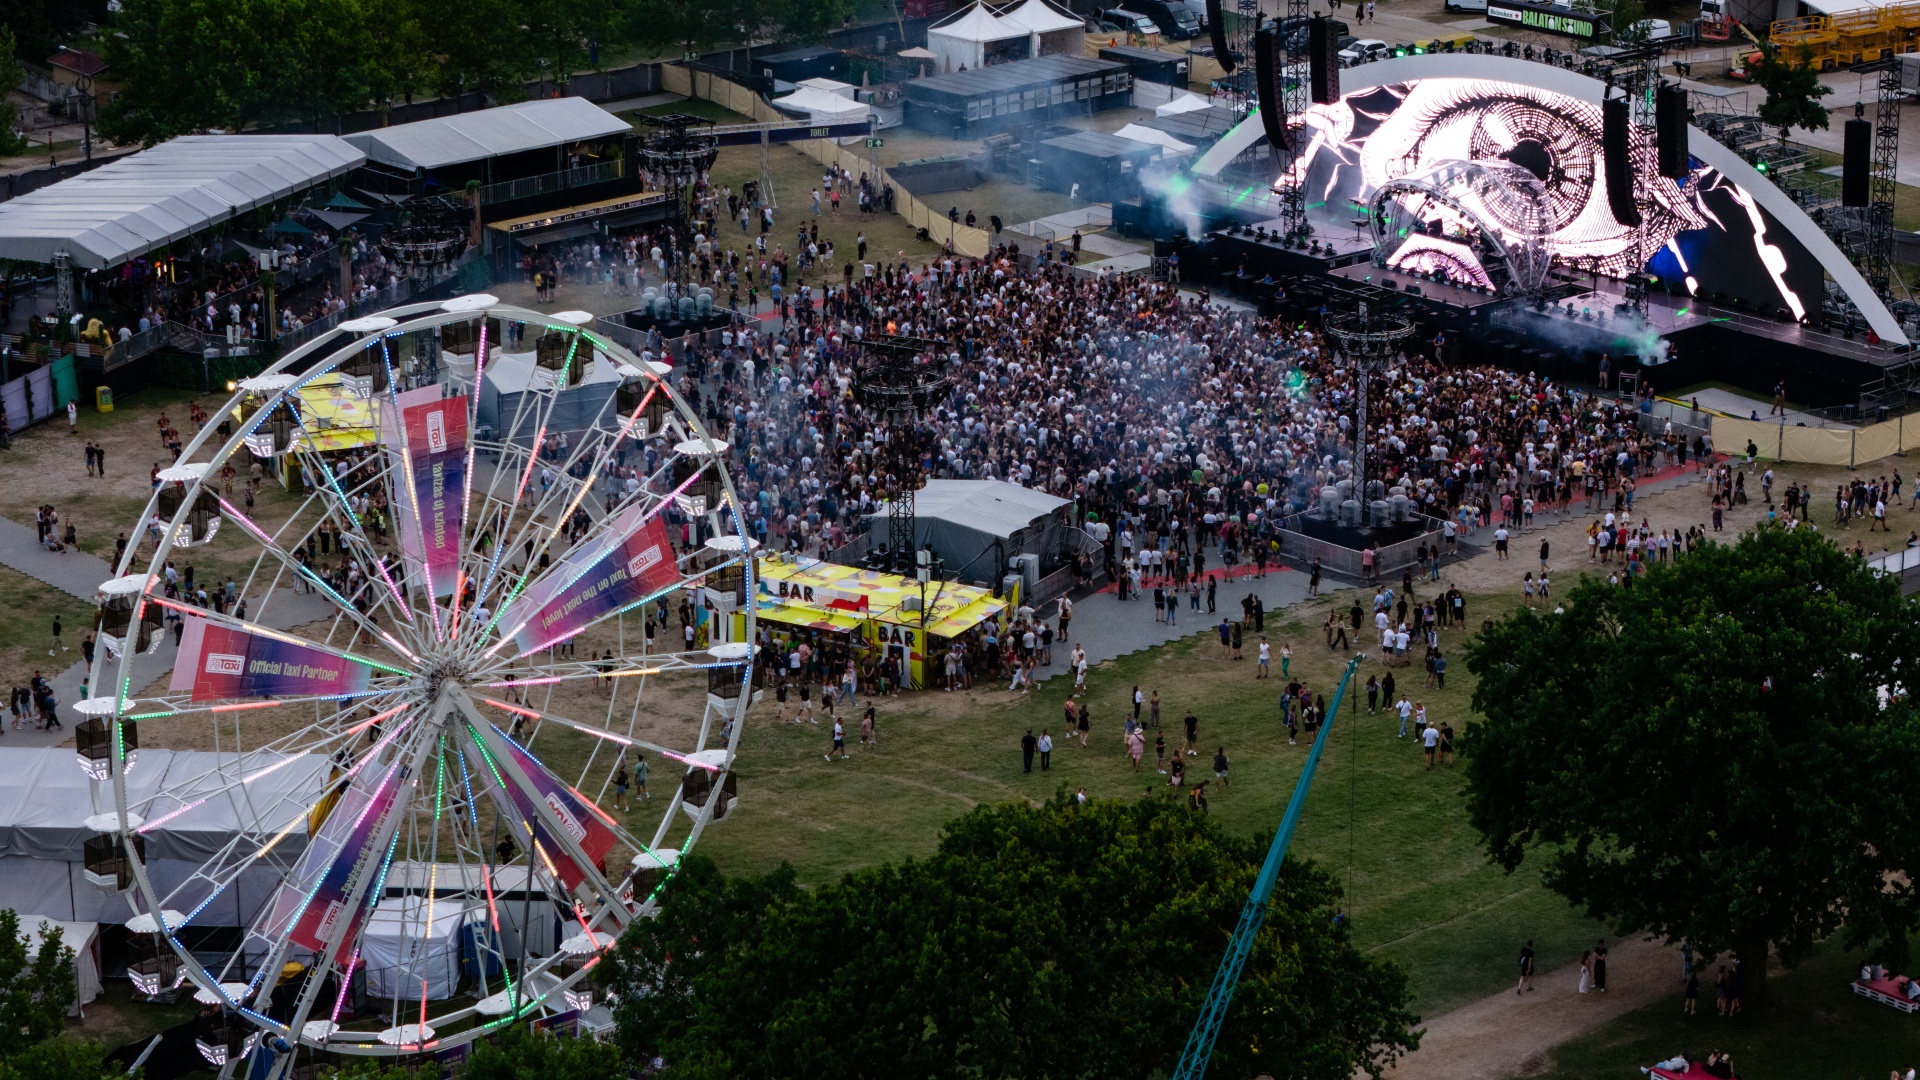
56 637
1028 745
1526 968
1600 966
1045 746
1586 970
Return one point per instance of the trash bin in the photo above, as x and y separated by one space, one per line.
103 398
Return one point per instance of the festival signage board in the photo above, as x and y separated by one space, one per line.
219 662
575 593
1550 19
431 439
581 824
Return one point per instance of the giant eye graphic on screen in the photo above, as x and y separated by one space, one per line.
1478 180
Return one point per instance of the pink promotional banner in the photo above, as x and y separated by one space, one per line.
312 903
435 449
572 595
582 824
218 662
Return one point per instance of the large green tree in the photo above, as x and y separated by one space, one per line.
1052 941
36 989
1722 752
11 141
1793 90
190 65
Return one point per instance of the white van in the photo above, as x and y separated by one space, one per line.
1466 5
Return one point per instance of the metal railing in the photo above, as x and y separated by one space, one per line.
548 183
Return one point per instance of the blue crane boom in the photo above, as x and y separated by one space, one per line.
1199 1049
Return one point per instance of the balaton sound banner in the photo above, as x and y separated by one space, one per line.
436 451
219 662
570 597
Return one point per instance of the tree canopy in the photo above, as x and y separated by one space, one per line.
1722 752
11 141
36 989
1793 91
190 65
1052 941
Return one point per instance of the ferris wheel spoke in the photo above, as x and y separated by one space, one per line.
256 631
302 572
572 848
340 507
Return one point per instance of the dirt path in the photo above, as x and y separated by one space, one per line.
1511 1034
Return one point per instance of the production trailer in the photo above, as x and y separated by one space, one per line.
972 104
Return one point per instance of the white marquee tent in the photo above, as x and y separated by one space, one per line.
46 802
145 201
966 38
1053 32
507 129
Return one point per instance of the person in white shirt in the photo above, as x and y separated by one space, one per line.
1405 708
1266 655
1431 740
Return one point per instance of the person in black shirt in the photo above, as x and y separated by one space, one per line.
1028 744
1526 967
1193 734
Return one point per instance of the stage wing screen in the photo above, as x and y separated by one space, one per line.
1703 234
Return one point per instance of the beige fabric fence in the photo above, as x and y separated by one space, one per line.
677 79
1779 441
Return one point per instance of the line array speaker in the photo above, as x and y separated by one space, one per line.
1266 73
1670 119
1323 46
1217 29
1615 142
1856 165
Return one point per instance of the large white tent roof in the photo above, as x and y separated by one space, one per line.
46 800
144 201
1040 17
1157 138
976 24
509 129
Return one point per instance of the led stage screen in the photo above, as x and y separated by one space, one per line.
1704 234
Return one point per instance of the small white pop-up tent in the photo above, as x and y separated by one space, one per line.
84 939
410 940
1171 146
1182 104
823 106
973 37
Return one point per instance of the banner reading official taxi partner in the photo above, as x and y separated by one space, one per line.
568 598
219 662
436 448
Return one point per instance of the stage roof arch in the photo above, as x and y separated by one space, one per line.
1572 84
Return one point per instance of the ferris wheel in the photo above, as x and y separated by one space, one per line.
375 813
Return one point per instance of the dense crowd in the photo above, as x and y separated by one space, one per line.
1172 424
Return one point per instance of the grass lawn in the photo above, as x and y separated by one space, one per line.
1420 890
28 633
1815 1028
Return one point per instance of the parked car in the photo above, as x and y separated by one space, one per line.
1647 30
1171 16
1466 5
1366 50
1130 21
